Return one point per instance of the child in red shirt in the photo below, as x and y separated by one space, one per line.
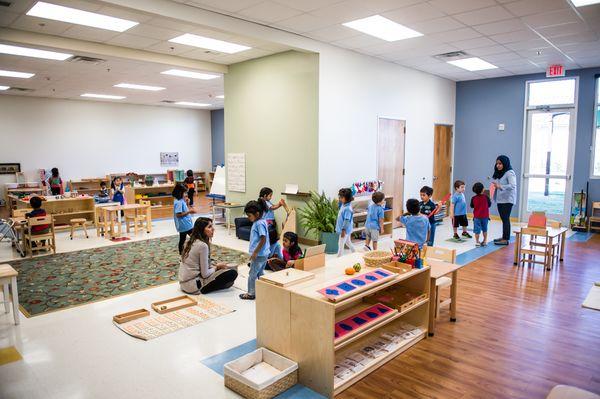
481 213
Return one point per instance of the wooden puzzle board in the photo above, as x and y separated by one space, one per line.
156 325
287 277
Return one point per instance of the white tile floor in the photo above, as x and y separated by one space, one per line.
78 353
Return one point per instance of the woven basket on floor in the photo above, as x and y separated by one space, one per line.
269 392
377 258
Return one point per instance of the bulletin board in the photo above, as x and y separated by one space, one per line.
236 172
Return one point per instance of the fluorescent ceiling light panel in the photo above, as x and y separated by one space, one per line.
222 96
473 64
382 28
79 17
139 87
15 74
103 96
210 44
582 3
192 104
4 87
190 74
32 52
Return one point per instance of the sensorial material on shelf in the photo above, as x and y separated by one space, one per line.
355 285
361 321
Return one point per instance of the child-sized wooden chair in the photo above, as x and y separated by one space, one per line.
76 223
20 213
139 220
44 241
540 244
445 255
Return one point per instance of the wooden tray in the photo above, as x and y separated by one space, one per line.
287 277
397 267
169 305
128 316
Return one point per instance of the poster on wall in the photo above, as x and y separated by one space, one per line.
236 172
9 168
169 159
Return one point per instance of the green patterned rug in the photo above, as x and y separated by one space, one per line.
55 282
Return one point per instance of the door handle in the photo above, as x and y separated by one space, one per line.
434 177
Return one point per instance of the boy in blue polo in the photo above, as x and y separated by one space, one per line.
458 210
374 222
417 225
345 220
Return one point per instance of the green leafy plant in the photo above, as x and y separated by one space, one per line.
319 215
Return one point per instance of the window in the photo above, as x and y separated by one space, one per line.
551 92
596 154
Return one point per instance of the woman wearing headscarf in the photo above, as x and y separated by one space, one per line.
505 194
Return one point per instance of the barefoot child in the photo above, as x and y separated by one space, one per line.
481 213
374 223
259 246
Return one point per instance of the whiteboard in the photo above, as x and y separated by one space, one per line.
218 184
236 172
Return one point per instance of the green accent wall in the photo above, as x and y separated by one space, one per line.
271 115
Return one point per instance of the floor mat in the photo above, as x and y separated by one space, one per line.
55 282
592 301
580 236
9 355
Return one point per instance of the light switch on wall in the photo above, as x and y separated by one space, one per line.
501 127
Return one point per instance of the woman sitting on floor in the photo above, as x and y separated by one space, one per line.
197 274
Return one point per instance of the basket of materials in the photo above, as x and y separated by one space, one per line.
261 374
377 258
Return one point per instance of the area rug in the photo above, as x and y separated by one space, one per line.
55 282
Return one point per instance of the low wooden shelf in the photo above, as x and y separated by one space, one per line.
64 209
88 186
360 205
298 322
159 196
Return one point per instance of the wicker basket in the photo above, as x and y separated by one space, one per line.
236 379
377 258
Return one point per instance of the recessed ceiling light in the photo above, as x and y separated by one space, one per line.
139 87
473 64
192 104
4 87
222 96
190 74
208 43
104 96
32 52
581 3
382 28
79 17
15 74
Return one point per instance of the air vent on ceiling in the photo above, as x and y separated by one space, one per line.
5 3
86 60
451 55
168 101
21 89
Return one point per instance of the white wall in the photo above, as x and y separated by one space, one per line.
91 139
354 90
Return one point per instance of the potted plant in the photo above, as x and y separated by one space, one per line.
319 217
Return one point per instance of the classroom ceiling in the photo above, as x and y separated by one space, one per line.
519 37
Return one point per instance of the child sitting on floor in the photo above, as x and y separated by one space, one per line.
417 225
259 246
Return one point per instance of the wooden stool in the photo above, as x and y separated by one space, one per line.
78 222
8 275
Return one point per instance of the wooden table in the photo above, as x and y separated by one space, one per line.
19 223
439 269
8 275
112 214
553 233
226 208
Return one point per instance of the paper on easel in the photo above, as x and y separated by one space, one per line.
291 189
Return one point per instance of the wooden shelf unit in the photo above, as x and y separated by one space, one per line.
159 196
88 186
65 209
360 205
200 178
298 322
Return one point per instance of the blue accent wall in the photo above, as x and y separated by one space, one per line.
217 128
483 104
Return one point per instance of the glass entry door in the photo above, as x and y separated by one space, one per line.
547 183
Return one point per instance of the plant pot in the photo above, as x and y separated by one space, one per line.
331 242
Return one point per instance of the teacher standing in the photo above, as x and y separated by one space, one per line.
505 194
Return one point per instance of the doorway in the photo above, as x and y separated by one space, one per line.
549 148
391 135
442 161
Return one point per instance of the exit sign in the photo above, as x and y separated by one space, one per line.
555 70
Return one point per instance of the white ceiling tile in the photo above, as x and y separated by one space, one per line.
172 24
302 23
434 50
459 6
269 11
483 16
227 5
332 33
169 48
494 28
488 50
92 34
125 14
39 25
575 39
127 40
344 11
7 17
202 55
589 62
436 25
528 44
306 5
551 18
154 32
473 43
563 29
414 13
380 6
516 36
503 57
21 6
493 73
456 35
358 41
529 7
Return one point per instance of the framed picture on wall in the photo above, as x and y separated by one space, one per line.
169 159
9 168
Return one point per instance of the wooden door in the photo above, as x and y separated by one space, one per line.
390 161
442 161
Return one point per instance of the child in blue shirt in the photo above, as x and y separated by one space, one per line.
417 225
181 214
264 198
345 220
374 222
458 210
259 246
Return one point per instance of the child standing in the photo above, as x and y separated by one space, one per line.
264 199
55 182
259 247
417 225
374 222
191 186
181 215
458 210
481 213
428 208
345 220
117 190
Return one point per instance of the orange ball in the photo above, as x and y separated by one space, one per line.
350 271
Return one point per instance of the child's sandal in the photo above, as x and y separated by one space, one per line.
247 296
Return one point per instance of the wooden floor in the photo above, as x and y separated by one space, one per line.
520 331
